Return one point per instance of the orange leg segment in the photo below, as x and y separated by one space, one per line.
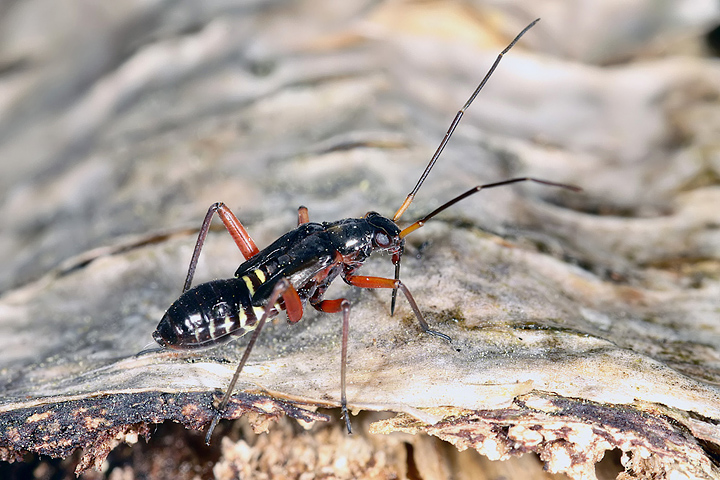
241 236
293 304
363 281
330 306
303 215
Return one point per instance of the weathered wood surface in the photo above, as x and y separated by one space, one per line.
121 125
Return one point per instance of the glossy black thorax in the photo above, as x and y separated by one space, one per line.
301 254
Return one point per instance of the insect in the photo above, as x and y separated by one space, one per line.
297 269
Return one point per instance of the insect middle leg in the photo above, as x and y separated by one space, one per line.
342 304
241 236
335 306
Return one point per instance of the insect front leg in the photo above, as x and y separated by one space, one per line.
335 306
241 236
363 281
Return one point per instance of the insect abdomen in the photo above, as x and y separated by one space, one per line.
209 314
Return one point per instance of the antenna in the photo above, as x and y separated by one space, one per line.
411 196
454 124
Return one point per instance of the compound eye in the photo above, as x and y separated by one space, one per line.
382 240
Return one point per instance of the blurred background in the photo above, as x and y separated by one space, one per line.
133 117
122 122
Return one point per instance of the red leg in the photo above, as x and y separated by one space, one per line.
363 281
242 238
330 306
293 304
303 215
335 306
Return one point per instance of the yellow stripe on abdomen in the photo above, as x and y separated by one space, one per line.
249 284
260 275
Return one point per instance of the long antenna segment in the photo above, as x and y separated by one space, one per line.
455 123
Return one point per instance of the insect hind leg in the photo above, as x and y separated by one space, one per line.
303 215
236 229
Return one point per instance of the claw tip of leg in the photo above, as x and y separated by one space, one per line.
211 429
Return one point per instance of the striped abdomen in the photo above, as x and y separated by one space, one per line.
210 314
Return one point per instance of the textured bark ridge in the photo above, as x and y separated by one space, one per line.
571 436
